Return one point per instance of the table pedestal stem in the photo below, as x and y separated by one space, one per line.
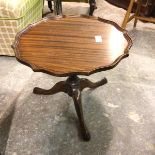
73 87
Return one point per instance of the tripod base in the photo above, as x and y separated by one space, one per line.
73 87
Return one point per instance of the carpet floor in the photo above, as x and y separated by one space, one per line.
120 115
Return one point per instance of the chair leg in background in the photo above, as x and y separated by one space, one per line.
50 5
137 11
93 6
127 15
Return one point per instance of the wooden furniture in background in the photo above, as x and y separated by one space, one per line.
50 5
58 10
147 8
72 49
136 15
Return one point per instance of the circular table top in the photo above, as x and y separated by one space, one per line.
69 45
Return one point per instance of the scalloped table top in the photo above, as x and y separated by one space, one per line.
68 45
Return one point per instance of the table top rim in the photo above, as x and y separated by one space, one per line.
98 69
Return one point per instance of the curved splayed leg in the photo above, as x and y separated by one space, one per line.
58 87
76 95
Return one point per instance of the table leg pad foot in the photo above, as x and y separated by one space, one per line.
86 135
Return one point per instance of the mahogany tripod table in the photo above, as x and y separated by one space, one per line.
72 46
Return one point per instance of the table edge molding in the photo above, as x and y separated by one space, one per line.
87 73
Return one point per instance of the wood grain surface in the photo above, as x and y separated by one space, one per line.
63 46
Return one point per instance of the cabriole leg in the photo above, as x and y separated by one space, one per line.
76 95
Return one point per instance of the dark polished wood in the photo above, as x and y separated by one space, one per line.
73 87
50 5
66 46
122 4
58 6
92 4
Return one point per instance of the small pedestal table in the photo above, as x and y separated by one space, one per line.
72 46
